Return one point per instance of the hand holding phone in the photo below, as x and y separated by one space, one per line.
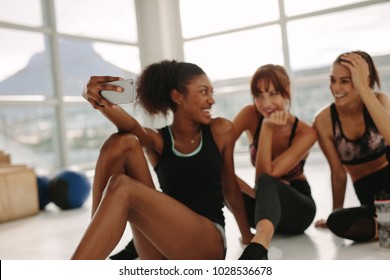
126 96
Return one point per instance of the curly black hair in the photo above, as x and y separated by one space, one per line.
159 79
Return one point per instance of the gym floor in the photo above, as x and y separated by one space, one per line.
54 234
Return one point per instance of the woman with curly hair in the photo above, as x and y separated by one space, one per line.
193 159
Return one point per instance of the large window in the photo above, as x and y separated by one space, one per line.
315 42
112 20
25 63
27 12
304 36
231 38
236 54
228 38
50 48
203 17
298 7
48 52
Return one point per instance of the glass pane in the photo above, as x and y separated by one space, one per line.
109 19
314 42
200 17
221 57
25 65
82 59
124 57
28 135
384 73
87 129
27 12
296 7
228 105
309 98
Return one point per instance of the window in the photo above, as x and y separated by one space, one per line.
80 59
106 19
236 54
50 48
44 120
204 17
314 42
29 134
22 53
26 12
303 36
296 7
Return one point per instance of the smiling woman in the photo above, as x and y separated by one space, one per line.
354 135
281 200
193 159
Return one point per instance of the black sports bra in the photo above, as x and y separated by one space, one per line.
296 170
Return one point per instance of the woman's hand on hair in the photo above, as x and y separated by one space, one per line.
359 69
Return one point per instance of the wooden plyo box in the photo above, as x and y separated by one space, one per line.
18 193
4 159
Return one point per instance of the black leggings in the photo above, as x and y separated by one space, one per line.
290 208
358 223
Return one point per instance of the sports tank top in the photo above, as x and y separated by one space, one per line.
296 170
194 179
369 146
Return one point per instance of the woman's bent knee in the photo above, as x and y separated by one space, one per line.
119 185
121 142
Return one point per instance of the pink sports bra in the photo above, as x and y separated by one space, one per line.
368 147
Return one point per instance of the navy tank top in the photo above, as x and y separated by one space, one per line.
369 146
194 179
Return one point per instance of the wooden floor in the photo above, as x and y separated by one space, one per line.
53 234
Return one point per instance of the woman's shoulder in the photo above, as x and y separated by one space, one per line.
382 97
221 125
381 94
249 110
323 123
222 132
323 116
305 129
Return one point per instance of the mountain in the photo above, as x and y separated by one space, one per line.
78 62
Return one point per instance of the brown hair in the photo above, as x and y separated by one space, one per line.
374 77
274 74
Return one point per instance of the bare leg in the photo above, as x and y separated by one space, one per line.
264 233
122 154
175 230
257 249
118 155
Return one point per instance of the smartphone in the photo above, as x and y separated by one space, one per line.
126 96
